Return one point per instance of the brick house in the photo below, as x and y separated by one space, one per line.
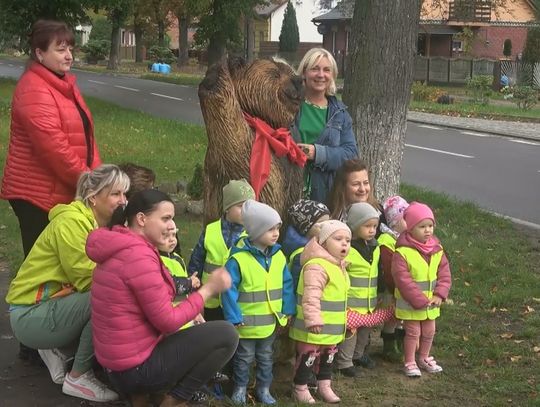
439 30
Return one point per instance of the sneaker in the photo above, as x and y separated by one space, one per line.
429 365
56 363
365 361
88 387
411 370
348 372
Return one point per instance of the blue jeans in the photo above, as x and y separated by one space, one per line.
248 351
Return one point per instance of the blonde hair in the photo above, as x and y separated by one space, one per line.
311 58
93 182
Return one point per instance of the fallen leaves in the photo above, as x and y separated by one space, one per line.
507 335
516 358
528 309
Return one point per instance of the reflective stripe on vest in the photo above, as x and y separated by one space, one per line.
363 278
387 240
260 296
217 254
425 276
295 253
333 307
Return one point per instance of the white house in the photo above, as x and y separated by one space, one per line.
306 10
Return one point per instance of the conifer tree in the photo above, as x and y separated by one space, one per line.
289 38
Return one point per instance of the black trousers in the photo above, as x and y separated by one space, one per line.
32 221
185 361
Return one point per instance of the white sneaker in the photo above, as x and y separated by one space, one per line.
55 362
429 365
88 387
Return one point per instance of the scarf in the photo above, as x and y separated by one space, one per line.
268 140
428 248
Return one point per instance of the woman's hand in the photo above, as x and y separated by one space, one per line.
195 282
309 150
199 320
218 281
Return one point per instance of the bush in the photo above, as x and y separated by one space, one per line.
424 93
195 186
96 50
480 88
445 99
524 97
101 29
161 54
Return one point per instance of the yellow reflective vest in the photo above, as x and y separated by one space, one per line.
386 239
260 295
333 307
425 276
363 278
217 254
295 253
177 270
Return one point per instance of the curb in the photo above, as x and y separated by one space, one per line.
462 127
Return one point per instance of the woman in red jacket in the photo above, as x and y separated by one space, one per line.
135 326
52 132
52 136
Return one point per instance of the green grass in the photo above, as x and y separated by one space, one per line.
466 109
487 333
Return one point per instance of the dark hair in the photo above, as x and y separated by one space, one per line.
141 177
143 201
44 32
336 198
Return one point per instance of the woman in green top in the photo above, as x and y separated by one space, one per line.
50 296
323 127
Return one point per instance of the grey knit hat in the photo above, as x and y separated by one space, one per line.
258 218
359 213
304 213
329 227
236 191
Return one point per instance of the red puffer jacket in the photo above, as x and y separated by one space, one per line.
47 147
131 301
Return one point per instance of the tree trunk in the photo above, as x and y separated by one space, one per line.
183 47
217 48
378 83
161 33
250 40
114 55
137 29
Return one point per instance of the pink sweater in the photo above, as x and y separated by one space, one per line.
131 298
315 279
407 287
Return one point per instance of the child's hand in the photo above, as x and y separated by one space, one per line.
199 319
436 301
239 325
195 282
315 329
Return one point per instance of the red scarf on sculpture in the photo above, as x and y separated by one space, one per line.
279 141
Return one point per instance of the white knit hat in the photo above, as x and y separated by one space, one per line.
258 218
329 227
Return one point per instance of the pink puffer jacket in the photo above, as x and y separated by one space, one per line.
131 298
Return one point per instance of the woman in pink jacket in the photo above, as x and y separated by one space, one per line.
135 325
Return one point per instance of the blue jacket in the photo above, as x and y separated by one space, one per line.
335 145
229 299
230 231
292 241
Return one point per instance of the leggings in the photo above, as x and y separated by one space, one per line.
32 221
418 335
182 362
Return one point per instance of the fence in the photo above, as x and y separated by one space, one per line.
458 71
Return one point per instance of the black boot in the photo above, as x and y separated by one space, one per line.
400 335
304 371
390 351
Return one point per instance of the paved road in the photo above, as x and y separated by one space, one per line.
501 174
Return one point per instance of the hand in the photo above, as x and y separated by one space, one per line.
436 301
308 149
195 282
218 281
199 319
315 329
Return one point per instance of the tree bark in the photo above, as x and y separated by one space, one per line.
138 41
183 46
250 40
378 81
114 55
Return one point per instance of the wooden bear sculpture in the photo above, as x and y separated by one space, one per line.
266 89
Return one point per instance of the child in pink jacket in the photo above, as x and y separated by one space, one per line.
321 316
422 277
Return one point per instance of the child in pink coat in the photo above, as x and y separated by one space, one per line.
422 276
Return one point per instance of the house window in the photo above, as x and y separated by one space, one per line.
457 45
347 36
333 42
261 36
123 42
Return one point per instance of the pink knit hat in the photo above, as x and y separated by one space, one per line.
329 227
393 210
417 212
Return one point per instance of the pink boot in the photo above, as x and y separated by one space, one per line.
326 392
302 395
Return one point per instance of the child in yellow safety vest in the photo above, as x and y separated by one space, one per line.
320 321
364 307
212 249
261 298
422 276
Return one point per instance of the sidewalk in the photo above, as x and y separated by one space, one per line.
529 131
